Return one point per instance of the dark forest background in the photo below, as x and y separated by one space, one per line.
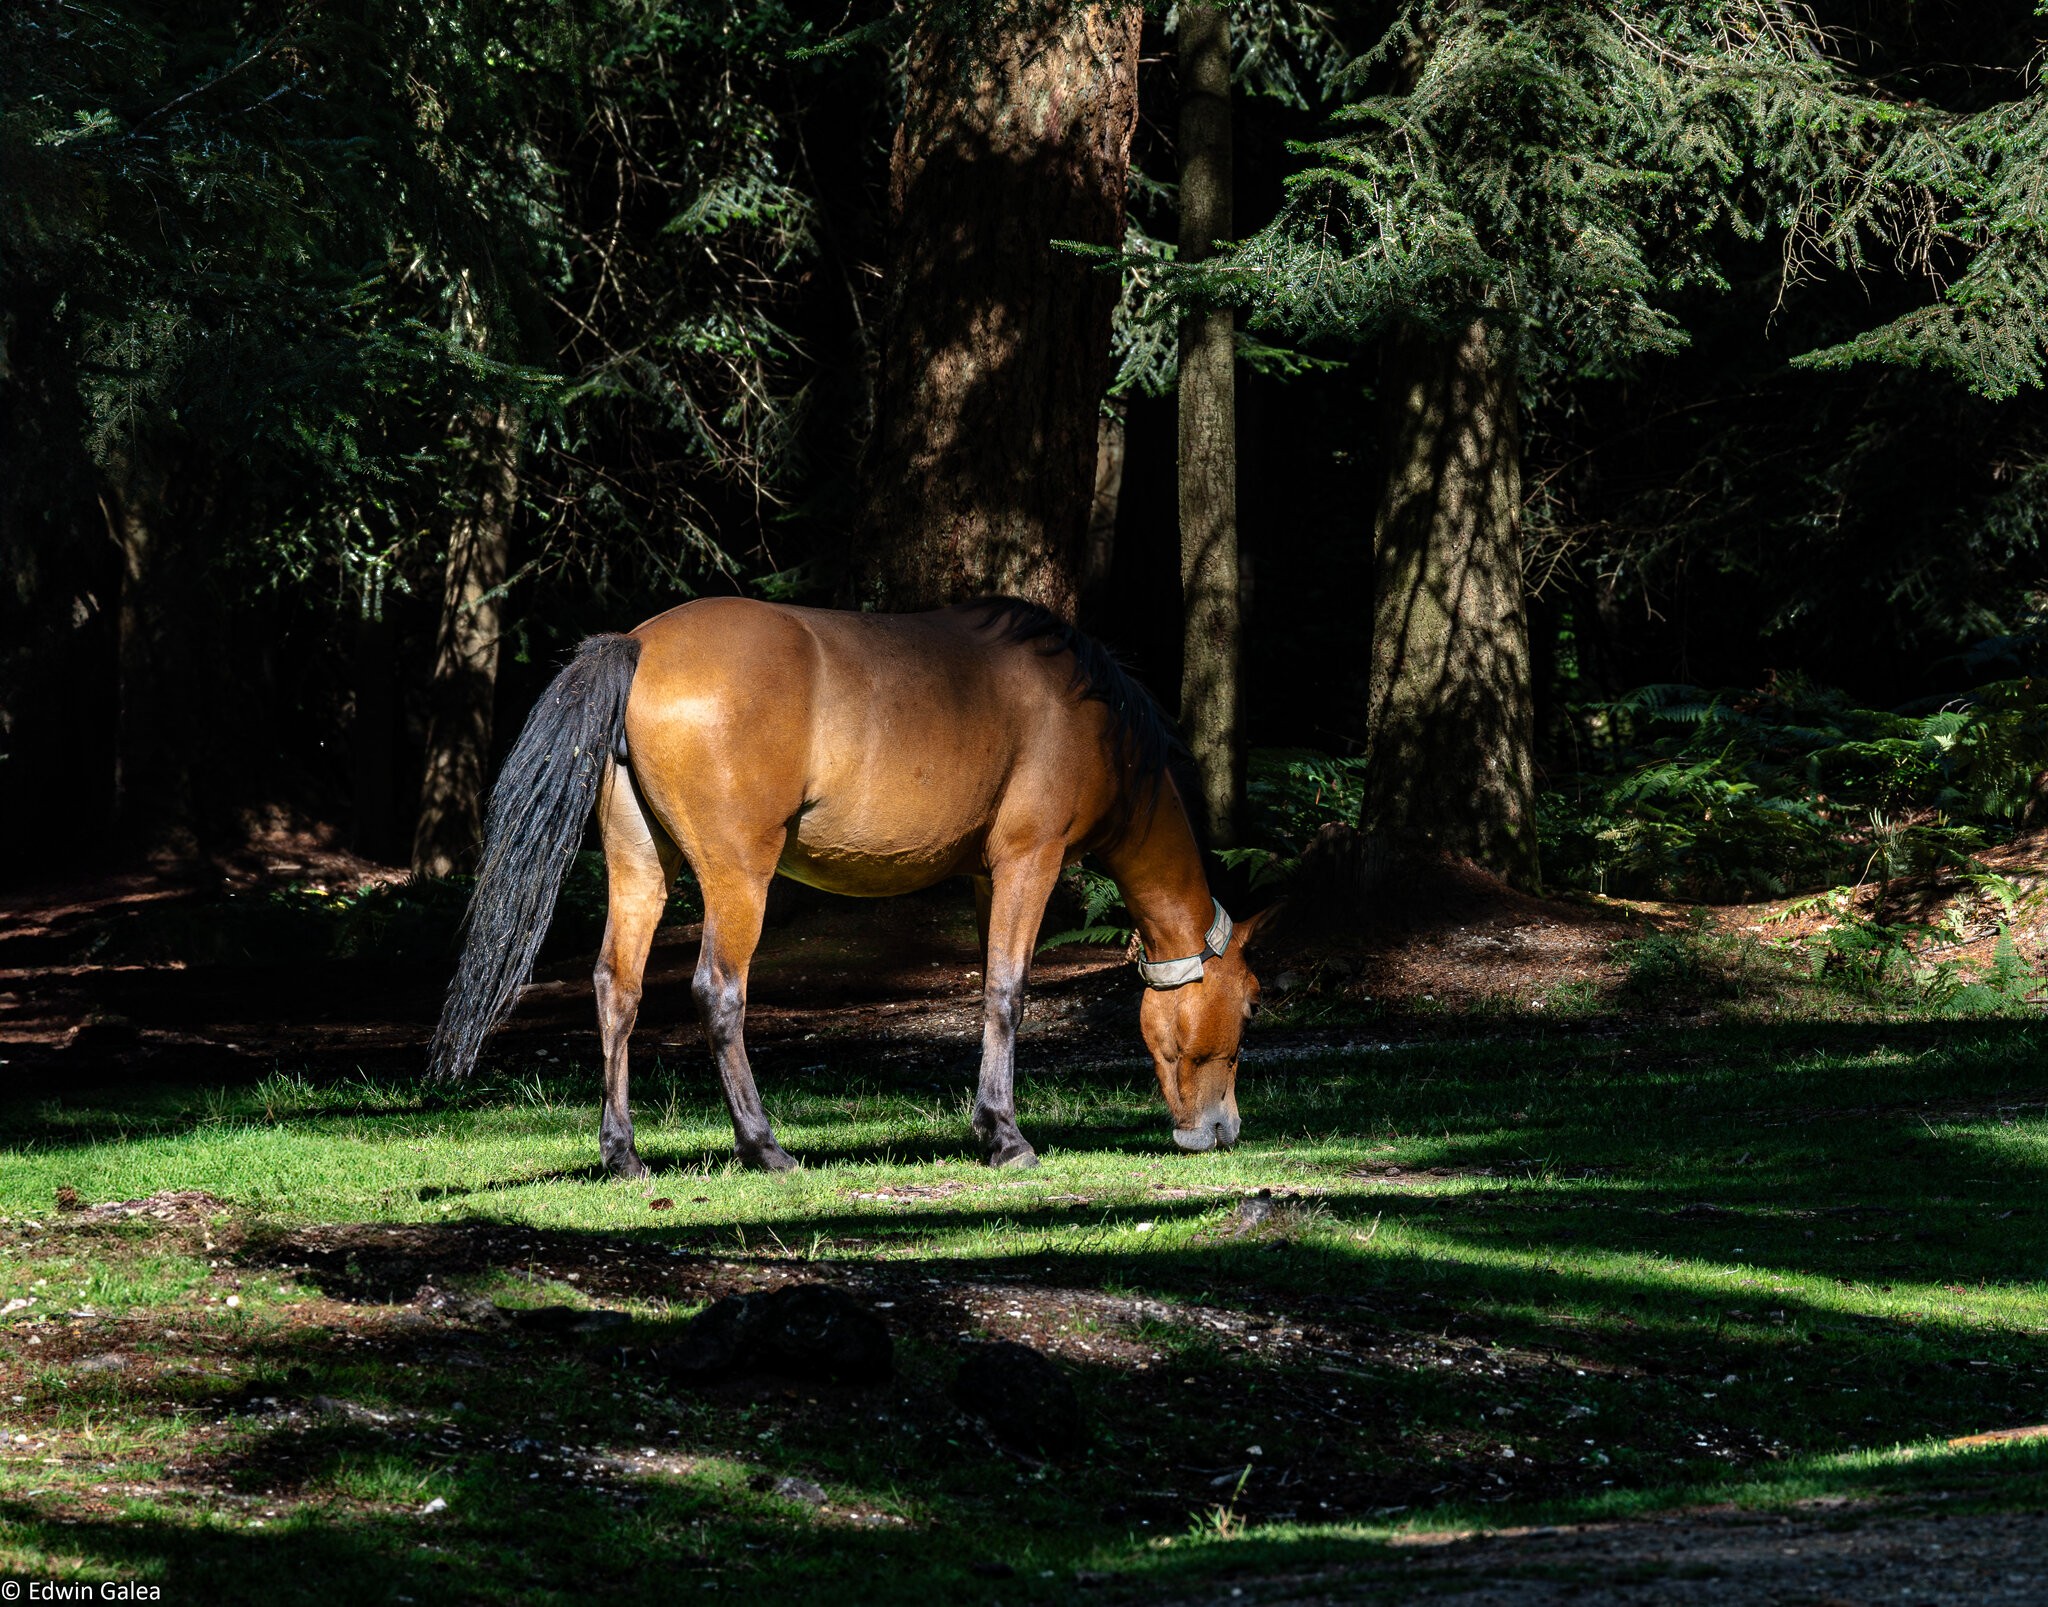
345 349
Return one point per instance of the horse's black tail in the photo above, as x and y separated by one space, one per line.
543 796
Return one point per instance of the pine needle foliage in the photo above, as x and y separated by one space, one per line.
1571 170
298 245
1990 326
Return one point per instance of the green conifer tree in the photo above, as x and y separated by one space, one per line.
1519 194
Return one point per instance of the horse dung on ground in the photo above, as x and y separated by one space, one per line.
868 754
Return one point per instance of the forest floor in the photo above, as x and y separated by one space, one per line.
1575 1250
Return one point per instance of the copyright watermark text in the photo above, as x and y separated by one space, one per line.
78 1590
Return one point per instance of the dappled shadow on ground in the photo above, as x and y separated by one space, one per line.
1603 1265
562 1461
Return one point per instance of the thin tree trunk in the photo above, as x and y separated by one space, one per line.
153 803
465 682
372 733
981 467
1212 626
1450 763
1110 435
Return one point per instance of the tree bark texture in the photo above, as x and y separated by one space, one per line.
981 468
1212 626
1110 439
1449 746
465 680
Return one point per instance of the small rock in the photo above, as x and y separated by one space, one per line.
107 1362
1255 1210
461 1307
438 1504
1024 1398
789 1487
347 1411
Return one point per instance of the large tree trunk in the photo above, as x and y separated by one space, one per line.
1210 597
465 682
1450 766
981 468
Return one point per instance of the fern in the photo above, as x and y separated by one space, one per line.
1100 898
1744 794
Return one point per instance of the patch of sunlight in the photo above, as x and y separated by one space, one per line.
1597 1275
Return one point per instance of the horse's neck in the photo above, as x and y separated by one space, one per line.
1158 869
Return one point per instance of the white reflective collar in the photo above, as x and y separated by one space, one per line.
1175 973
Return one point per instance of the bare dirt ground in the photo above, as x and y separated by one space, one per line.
1842 1555
901 975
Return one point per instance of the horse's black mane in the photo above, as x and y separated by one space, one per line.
1144 734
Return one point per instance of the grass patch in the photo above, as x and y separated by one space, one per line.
1572 1273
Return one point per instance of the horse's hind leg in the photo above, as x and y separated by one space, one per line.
640 862
1010 912
735 883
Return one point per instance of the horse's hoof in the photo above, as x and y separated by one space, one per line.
631 1167
768 1158
1018 1157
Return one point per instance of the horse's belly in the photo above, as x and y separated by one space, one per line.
877 854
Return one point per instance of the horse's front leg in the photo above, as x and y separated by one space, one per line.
735 899
1011 911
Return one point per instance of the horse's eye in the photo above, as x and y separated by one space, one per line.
1251 1007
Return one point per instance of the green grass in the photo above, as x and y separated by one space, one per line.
1756 1262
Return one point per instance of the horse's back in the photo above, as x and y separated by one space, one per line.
901 747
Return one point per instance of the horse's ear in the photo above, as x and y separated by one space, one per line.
1252 925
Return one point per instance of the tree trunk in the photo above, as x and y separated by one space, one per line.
465 681
1450 766
372 734
1110 435
1210 599
981 468
154 809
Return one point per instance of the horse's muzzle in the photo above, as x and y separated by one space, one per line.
1217 1131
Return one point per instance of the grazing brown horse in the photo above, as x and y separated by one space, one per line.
865 754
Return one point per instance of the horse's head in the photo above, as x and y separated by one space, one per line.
1193 1032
